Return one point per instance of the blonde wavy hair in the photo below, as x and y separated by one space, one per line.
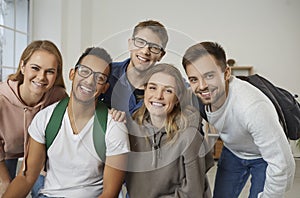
177 119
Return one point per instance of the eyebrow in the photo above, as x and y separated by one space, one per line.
166 86
33 64
36 65
205 74
210 72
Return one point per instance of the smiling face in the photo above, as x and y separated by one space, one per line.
39 72
208 81
86 90
160 95
142 58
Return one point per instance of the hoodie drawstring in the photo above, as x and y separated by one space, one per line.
25 143
156 148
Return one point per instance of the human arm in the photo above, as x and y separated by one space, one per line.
113 176
268 135
22 184
4 174
4 177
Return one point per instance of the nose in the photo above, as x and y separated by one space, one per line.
41 75
90 79
159 94
202 84
146 50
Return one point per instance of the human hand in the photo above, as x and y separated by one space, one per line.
119 116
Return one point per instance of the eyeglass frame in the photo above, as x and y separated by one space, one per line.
78 66
150 45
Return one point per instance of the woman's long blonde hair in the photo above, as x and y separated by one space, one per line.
176 119
34 46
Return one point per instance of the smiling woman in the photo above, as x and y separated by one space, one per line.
37 83
168 156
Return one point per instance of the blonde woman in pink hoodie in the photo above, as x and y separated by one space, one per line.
37 83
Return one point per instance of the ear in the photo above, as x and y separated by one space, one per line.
161 56
105 88
129 44
227 73
72 74
22 67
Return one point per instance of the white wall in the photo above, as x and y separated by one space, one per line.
264 34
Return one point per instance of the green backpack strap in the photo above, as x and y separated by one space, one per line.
55 121
99 129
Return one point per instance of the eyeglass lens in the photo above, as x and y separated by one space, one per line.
85 72
139 42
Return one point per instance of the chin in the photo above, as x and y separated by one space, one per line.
40 91
205 101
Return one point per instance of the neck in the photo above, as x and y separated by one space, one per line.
79 114
135 76
157 121
28 98
222 99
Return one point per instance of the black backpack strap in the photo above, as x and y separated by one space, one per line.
268 89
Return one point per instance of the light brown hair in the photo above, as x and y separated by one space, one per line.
34 46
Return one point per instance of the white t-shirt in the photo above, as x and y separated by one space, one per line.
74 169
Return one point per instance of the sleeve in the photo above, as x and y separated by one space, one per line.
2 153
116 137
39 123
270 138
195 184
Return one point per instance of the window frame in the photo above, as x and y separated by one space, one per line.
17 47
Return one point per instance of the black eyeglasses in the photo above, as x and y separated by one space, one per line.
85 72
154 48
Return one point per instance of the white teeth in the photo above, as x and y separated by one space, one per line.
142 59
205 94
86 89
157 104
38 84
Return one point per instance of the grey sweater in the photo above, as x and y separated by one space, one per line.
160 168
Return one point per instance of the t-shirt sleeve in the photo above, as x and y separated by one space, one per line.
116 137
39 123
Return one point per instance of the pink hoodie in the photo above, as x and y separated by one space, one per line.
15 117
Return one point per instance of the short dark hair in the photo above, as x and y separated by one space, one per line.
156 27
98 52
205 48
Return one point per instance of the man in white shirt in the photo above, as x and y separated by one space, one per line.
246 120
73 167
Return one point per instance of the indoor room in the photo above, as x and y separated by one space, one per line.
259 37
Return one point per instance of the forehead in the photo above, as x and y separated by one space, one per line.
43 58
95 63
163 79
202 65
148 35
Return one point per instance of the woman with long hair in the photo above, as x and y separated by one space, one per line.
167 156
37 83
